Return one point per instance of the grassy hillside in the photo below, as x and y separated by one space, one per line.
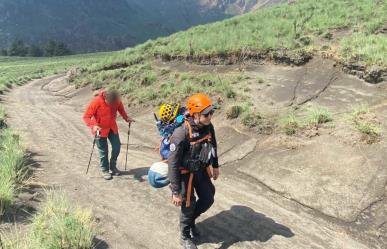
88 26
349 31
15 70
301 25
346 30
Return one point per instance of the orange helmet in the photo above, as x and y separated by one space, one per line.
197 103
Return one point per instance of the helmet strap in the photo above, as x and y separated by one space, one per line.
196 118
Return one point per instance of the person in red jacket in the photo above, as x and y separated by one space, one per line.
100 116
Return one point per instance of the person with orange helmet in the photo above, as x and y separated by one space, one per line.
192 153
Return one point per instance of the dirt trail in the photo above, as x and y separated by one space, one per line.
133 215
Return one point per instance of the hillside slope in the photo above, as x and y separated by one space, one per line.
353 33
350 32
104 25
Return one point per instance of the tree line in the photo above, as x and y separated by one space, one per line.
52 48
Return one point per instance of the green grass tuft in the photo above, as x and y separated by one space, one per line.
368 128
290 124
12 167
58 224
316 116
360 109
366 123
252 119
368 48
234 111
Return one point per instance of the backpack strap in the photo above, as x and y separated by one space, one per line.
188 128
208 137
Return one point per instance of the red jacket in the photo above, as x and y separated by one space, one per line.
104 115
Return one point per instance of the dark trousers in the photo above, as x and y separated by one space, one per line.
205 192
103 150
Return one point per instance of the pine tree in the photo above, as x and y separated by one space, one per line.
18 48
50 48
35 51
61 49
3 52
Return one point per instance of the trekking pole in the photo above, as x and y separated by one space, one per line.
92 150
155 116
127 147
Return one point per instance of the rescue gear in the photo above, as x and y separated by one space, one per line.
198 157
182 181
166 130
158 175
198 103
168 112
180 140
165 148
158 172
103 114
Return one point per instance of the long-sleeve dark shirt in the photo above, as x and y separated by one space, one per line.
180 145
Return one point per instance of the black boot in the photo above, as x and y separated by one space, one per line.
195 234
188 243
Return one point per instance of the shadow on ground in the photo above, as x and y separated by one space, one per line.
240 224
99 244
29 197
137 173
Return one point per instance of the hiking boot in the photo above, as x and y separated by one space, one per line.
106 175
187 243
115 172
195 234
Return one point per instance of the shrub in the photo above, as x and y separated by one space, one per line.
316 116
234 112
58 224
290 125
12 167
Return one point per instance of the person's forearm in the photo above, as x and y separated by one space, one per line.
174 178
89 121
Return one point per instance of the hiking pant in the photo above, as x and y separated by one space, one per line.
103 150
205 192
